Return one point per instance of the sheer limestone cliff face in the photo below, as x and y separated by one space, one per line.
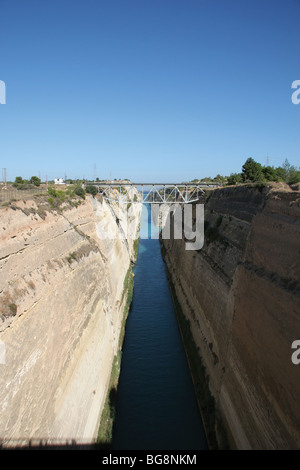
61 286
241 293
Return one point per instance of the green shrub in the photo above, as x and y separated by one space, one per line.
52 192
13 309
91 189
136 247
234 178
211 234
79 191
72 257
57 196
19 180
70 192
61 195
25 186
35 180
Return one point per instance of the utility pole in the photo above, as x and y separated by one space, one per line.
4 177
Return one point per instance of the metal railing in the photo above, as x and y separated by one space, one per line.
156 193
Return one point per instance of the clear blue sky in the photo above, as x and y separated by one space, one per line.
147 89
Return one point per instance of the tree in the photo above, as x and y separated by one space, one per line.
91 189
252 171
35 180
270 173
219 179
290 173
19 180
79 191
294 176
280 173
234 178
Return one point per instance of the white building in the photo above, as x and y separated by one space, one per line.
59 181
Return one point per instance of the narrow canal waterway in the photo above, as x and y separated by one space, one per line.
156 404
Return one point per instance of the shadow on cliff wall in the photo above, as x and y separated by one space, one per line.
65 444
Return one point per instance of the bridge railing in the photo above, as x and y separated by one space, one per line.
155 193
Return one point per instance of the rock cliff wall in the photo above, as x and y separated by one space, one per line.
241 295
61 305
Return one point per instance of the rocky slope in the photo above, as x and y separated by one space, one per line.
61 305
241 295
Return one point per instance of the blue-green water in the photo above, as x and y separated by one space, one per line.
156 404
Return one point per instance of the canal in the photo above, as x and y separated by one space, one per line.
156 403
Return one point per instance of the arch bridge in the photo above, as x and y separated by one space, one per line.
154 193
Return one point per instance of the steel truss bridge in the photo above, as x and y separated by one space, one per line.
154 193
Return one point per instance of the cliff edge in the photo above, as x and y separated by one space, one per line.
241 296
61 302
